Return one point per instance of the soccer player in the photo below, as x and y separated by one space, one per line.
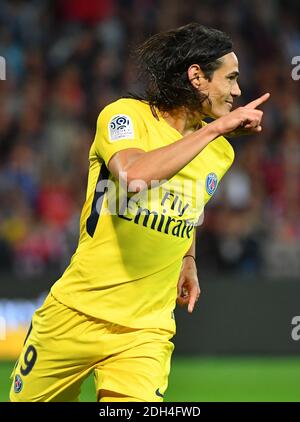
111 312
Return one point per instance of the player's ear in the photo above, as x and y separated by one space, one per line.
195 76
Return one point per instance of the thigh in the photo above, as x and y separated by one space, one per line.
51 366
140 369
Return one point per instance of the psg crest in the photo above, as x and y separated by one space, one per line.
211 183
18 384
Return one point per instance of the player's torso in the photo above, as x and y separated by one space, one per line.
135 243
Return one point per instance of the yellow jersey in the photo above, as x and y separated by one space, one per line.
127 263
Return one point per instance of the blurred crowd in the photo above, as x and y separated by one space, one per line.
67 59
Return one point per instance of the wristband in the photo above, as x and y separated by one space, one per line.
185 256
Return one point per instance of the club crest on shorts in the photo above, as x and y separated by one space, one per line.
211 183
120 127
18 384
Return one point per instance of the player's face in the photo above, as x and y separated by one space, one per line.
223 88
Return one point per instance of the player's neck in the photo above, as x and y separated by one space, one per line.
182 120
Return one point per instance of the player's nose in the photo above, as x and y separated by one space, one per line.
236 91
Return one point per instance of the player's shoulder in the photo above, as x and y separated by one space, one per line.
125 105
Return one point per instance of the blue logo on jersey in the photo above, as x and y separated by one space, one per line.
211 183
18 384
119 122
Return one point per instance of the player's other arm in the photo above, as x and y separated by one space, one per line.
163 163
188 290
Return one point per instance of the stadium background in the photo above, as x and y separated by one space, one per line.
66 60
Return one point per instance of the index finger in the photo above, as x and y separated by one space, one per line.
192 301
258 101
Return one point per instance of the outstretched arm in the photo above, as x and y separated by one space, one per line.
163 163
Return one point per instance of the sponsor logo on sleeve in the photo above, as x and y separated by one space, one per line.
120 127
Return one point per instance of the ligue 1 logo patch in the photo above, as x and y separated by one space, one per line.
18 384
211 183
120 127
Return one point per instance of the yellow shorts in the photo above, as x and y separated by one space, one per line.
65 346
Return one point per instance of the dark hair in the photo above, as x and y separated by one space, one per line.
165 58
